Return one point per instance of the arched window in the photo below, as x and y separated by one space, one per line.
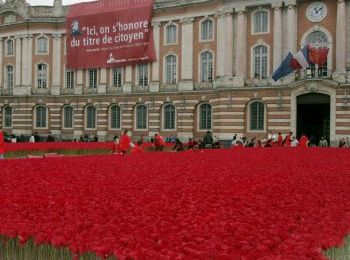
205 116
115 117
41 117
9 77
257 116
141 117
9 47
206 67
169 117
318 39
7 117
67 117
207 28
261 22
42 76
90 117
42 45
170 69
260 61
171 34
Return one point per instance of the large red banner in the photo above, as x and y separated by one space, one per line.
109 33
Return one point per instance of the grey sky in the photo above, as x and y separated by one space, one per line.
50 2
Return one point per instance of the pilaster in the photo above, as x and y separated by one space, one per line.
186 82
154 85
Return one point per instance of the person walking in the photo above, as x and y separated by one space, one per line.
2 145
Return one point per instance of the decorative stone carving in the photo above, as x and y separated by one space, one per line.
17 6
10 18
312 87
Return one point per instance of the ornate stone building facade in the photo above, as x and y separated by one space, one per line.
213 72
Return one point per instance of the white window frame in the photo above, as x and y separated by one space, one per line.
252 60
166 43
165 68
4 117
110 117
6 79
136 118
86 117
200 29
253 29
199 129
200 66
163 118
37 75
37 49
137 75
7 54
66 78
249 126
64 117
88 78
46 119
112 77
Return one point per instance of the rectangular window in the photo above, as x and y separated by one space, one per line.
42 45
143 75
9 47
8 117
117 77
42 76
207 30
92 78
69 79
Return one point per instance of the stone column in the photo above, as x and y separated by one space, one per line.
18 68
29 76
241 44
78 88
341 37
154 85
221 44
292 26
277 34
102 87
127 86
1 65
56 64
186 82
224 52
229 43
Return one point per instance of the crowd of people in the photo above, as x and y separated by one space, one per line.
124 144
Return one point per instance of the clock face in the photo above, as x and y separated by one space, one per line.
316 12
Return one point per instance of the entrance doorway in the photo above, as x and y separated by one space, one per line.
313 116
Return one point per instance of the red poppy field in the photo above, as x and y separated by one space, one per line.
216 204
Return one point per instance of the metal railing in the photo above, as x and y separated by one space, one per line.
313 74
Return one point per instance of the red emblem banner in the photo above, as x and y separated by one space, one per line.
109 33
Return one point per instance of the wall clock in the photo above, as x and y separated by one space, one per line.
316 12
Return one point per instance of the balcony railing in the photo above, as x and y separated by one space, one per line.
313 74
203 85
168 87
259 82
114 89
140 88
90 90
7 92
40 91
67 91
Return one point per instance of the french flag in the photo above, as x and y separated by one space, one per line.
301 59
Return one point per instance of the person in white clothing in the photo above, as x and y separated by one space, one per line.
294 142
31 139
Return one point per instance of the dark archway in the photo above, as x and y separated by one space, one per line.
313 116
